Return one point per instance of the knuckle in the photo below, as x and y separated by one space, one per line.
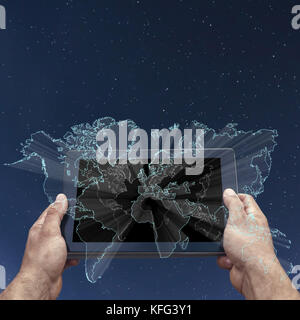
262 220
51 211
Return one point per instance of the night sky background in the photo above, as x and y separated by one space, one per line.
155 62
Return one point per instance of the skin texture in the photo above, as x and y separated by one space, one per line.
250 257
45 258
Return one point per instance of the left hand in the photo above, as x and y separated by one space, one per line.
45 258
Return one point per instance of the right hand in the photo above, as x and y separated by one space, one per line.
250 257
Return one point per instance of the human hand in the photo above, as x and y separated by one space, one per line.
45 257
250 257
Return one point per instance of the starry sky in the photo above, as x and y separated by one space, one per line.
155 62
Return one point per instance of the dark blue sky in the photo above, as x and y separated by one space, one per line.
155 62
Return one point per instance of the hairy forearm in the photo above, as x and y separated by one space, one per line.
27 287
271 283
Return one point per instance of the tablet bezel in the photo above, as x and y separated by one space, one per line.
137 249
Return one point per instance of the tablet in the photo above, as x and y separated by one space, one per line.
146 209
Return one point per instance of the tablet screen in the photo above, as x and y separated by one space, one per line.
148 202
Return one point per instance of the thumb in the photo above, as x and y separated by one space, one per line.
55 214
234 204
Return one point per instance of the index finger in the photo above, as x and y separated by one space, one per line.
250 205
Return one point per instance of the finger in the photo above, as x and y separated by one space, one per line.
250 205
55 215
234 205
224 263
71 263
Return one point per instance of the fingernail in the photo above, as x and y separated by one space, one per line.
229 193
60 198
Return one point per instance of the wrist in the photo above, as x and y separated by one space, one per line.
31 284
267 280
38 282
35 286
